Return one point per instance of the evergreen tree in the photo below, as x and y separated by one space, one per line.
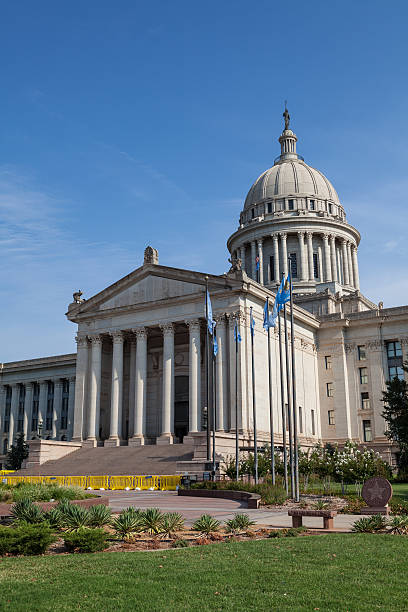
17 453
395 413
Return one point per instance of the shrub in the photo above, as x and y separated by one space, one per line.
238 523
25 510
25 539
180 543
206 524
54 518
370 524
100 516
171 523
270 494
74 517
399 505
292 532
354 505
6 496
86 540
127 524
399 525
152 521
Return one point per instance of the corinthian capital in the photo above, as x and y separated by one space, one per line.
96 339
81 341
167 329
117 336
140 333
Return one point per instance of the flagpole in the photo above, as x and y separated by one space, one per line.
285 452
294 402
253 399
271 399
288 391
236 404
207 366
213 405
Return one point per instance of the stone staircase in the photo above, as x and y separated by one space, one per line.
120 460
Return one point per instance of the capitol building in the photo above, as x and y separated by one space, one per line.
139 374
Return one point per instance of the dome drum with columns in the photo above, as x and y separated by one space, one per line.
292 210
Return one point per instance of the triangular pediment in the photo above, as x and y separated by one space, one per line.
148 284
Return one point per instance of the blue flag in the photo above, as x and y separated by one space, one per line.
210 320
257 262
283 294
237 335
215 344
278 305
251 322
268 321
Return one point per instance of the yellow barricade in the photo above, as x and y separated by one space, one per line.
76 481
121 482
98 482
144 483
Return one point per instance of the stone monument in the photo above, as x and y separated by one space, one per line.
376 493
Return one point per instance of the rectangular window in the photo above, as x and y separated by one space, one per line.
328 362
312 205
252 213
365 401
363 376
315 265
293 264
396 372
313 423
329 389
272 268
48 424
291 204
361 353
300 420
394 349
330 208
367 431
330 416
269 207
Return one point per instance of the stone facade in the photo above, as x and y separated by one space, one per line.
139 374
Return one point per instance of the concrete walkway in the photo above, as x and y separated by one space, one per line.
222 509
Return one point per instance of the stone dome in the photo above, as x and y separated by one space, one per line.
291 177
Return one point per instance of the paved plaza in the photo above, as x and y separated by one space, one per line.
222 509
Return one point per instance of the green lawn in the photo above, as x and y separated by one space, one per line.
347 572
400 489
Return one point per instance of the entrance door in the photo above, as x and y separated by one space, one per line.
180 407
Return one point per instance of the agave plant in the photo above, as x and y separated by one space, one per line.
321 505
75 517
100 516
127 524
238 523
54 517
25 510
206 524
171 522
399 525
370 524
152 521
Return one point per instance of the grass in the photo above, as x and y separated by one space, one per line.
336 572
400 489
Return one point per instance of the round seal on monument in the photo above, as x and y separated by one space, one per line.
377 491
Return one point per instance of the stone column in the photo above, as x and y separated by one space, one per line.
132 383
320 263
95 389
345 262
57 407
3 392
80 388
350 264
261 268
333 257
28 404
253 256
355 267
284 236
194 361
327 265
115 434
139 417
71 407
221 375
15 396
242 256
275 238
42 404
309 236
303 263
167 427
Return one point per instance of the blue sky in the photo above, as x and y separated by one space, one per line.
132 123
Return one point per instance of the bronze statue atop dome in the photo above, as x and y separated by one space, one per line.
286 116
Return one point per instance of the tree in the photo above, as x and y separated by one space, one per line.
17 453
395 413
